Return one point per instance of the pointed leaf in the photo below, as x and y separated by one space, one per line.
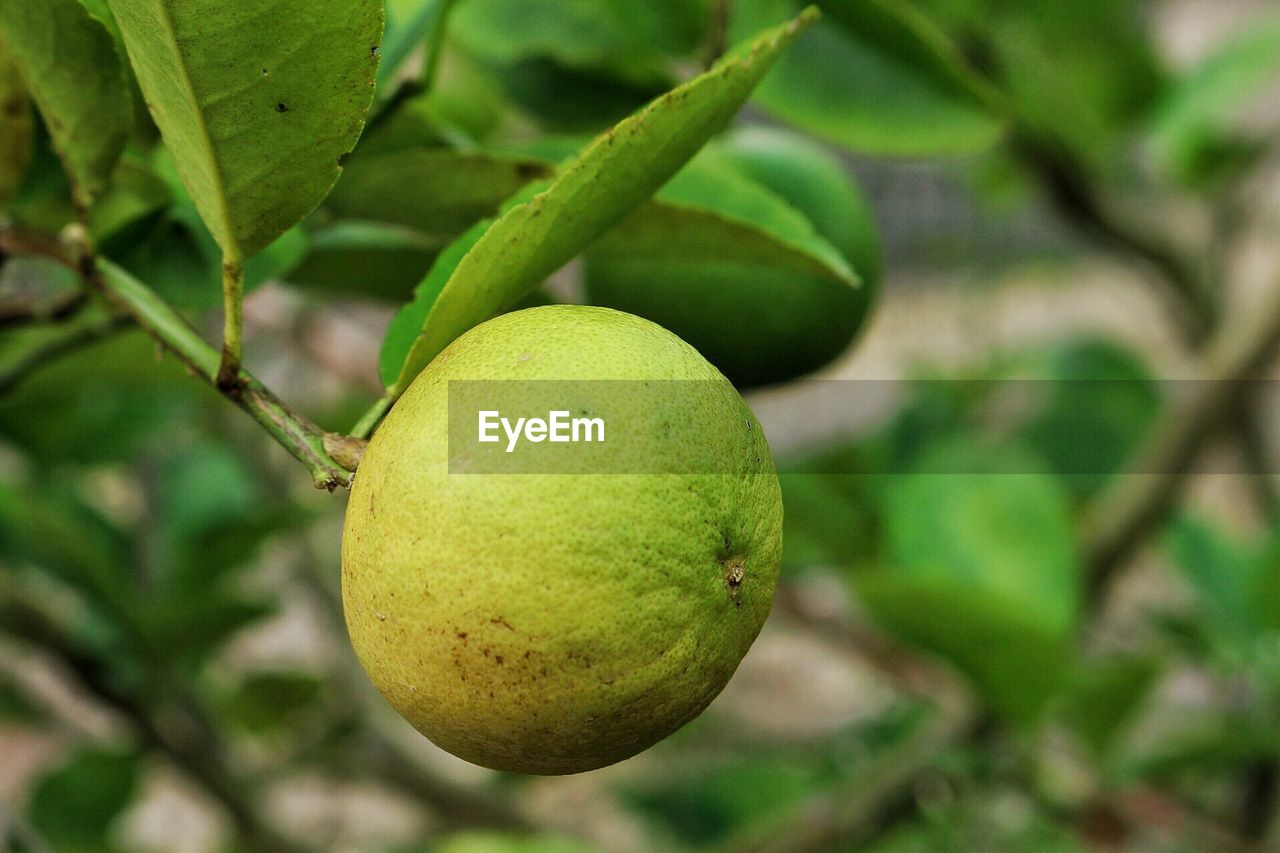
613 175
69 61
259 103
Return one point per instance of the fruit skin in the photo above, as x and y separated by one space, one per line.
761 326
557 623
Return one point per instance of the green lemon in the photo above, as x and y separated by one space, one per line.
560 622
760 325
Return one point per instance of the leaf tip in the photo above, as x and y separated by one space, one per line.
806 18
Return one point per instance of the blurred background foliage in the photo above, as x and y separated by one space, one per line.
988 636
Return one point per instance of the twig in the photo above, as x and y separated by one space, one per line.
1122 516
51 350
299 436
1075 196
323 453
17 242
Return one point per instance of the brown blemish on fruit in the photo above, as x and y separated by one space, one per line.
501 620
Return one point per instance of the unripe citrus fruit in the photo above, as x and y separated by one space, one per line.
560 622
760 325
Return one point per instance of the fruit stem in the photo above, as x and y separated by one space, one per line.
369 420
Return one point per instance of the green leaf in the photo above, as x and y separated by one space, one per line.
1198 108
992 558
405 329
823 526
1103 696
16 127
137 196
1226 576
259 103
1083 72
267 701
709 212
581 33
368 258
76 804
876 76
105 404
15 706
1015 662
433 190
705 807
815 183
1097 406
575 100
613 175
69 61
181 261
1006 534
61 535
191 627
721 256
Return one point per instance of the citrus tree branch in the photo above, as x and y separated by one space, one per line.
331 458
1120 519
303 439
1076 197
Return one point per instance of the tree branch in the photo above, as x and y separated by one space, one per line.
1120 519
1074 195
304 440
